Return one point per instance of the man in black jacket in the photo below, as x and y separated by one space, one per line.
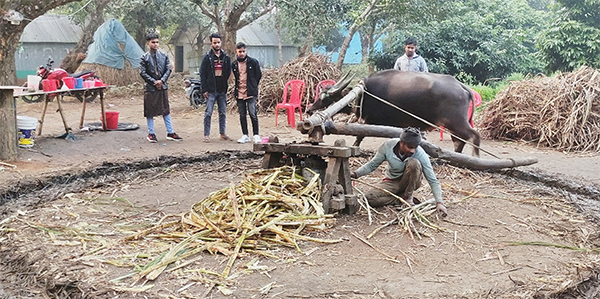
214 73
246 71
155 69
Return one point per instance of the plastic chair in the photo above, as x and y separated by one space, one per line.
322 84
477 102
295 90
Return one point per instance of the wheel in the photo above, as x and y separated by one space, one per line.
196 99
90 96
32 99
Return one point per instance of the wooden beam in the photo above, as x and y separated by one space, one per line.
431 149
307 149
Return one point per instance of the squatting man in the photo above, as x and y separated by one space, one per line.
407 163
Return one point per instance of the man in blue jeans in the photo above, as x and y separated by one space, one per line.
246 71
155 69
214 73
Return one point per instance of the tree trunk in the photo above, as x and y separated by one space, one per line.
96 18
351 31
307 45
8 123
431 149
365 42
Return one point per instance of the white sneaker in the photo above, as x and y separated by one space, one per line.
244 139
257 139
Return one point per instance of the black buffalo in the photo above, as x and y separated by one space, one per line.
439 99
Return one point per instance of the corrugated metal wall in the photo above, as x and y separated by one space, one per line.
29 56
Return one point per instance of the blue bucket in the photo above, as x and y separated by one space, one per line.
78 82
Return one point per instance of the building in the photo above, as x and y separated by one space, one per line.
261 40
48 36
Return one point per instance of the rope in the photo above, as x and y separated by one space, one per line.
430 124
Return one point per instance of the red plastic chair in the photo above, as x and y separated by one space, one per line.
295 90
322 84
477 102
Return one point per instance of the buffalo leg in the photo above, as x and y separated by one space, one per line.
359 139
469 134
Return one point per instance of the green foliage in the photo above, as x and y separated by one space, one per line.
359 71
313 19
574 39
489 89
480 38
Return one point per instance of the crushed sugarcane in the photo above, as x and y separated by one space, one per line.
269 207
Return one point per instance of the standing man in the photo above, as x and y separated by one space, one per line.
214 73
411 61
246 71
155 69
407 163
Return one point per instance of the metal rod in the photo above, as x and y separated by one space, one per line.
320 117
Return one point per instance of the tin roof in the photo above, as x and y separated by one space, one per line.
258 33
51 29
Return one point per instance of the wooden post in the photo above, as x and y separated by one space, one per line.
8 125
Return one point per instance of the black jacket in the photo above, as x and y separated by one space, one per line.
207 71
253 75
148 69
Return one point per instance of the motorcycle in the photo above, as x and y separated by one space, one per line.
194 92
48 72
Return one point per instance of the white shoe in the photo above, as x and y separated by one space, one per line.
244 139
257 139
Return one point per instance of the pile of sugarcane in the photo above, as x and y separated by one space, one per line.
269 207
562 111
312 69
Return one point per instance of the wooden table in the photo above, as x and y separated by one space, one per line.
58 95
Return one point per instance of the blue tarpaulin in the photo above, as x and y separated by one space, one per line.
112 45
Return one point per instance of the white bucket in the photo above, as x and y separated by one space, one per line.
33 82
26 126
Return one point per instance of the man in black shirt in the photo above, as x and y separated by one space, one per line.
214 73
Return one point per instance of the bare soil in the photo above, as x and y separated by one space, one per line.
69 205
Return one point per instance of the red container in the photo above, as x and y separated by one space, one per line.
98 83
69 82
112 120
49 85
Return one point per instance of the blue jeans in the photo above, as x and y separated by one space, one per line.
250 105
168 124
221 99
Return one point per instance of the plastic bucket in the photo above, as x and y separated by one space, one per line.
98 83
78 82
33 82
88 84
69 82
112 120
26 126
49 85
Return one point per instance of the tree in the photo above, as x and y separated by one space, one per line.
10 34
95 12
479 39
357 20
574 39
312 23
232 15
138 16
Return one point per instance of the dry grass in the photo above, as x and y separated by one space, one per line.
561 112
113 76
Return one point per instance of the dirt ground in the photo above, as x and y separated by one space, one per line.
504 237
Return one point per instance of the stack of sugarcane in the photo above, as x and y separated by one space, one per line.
559 111
269 207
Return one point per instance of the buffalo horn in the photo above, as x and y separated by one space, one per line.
344 81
